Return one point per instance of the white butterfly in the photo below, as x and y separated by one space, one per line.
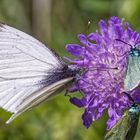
29 72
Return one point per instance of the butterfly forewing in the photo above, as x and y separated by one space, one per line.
27 70
12 38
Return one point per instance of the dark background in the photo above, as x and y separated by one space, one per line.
57 23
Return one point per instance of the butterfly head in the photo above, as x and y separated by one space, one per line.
73 71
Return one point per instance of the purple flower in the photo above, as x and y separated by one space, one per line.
103 59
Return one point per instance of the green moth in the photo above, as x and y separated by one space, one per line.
126 127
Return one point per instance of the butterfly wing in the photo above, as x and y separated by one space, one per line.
39 96
132 78
26 68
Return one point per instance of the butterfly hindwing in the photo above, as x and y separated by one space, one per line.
43 95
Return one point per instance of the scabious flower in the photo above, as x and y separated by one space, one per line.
103 59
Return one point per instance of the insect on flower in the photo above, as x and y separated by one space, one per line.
132 78
29 72
126 127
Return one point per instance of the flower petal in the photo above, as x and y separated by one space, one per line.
76 102
83 39
103 28
74 49
87 119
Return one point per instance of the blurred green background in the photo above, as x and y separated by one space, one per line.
57 23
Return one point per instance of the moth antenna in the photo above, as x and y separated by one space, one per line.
124 42
131 47
130 98
128 43
137 43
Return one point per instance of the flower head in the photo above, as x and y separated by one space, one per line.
103 59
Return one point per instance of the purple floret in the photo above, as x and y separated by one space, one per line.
104 60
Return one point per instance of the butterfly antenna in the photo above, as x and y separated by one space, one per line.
103 69
88 27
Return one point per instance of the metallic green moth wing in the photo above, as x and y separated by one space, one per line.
126 127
